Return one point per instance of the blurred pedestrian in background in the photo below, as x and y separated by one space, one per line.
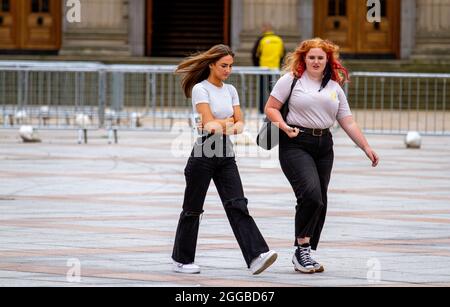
268 52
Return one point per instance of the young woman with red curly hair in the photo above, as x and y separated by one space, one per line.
315 76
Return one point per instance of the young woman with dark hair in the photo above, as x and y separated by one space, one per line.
217 105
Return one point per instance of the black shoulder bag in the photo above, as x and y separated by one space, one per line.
269 134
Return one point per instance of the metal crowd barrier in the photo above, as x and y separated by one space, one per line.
53 95
86 96
153 94
395 103
62 95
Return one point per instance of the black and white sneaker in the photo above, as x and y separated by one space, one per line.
302 260
318 268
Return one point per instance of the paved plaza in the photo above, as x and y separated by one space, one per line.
109 213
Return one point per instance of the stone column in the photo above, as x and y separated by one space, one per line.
408 28
237 19
282 14
136 35
432 30
306 19
103 29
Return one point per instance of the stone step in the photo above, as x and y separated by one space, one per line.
242 59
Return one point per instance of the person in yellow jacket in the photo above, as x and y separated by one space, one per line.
268 52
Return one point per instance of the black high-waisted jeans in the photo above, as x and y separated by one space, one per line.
307 161
199 171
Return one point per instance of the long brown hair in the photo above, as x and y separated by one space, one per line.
295 61
195 68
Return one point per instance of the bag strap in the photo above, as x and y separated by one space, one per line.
286 103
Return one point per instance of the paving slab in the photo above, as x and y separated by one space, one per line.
109 213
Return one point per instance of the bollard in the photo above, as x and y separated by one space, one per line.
413 140
7 120
112 133
44 115
82 134
28 134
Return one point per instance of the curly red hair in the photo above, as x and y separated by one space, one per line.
295 61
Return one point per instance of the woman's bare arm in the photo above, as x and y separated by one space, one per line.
351 128
211 124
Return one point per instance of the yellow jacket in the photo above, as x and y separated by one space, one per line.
268 51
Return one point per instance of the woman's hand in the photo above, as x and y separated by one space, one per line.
199 125
372 155
230 120
227 122
238 128
234 128
291 132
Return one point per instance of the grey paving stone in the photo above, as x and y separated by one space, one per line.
114 208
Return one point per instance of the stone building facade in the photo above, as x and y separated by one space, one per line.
409 29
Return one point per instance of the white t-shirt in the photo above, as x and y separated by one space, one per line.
308 107
221 100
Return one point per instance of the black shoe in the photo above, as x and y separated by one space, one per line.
318 268
302 260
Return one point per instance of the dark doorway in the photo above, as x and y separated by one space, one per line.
176 28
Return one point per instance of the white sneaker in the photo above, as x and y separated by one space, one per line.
190 268
262 262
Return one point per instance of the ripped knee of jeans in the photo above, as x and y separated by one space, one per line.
186 213
239 204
